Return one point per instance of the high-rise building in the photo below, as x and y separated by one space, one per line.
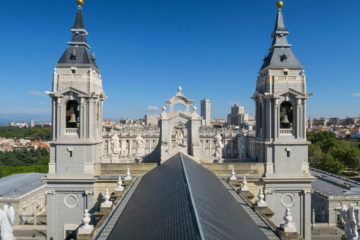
236 117
280 98
77 102
32 123
206 111
151 119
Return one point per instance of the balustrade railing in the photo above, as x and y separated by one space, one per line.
286 131
71 131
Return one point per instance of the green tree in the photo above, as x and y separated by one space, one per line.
37 133
315 155
325 140
328 163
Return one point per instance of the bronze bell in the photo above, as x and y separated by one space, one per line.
72 118
284 119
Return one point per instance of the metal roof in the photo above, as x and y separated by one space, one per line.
334 185
19 184
180 199
280 54
78 53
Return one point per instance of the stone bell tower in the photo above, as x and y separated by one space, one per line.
280 99
77 102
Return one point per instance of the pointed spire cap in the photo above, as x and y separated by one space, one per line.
280 53
79 20
78 53
279 25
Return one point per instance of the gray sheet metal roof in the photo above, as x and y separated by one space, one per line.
181 199
280 53
19 184
78 53
334 185
79 20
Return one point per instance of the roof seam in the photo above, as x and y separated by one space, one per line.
192 199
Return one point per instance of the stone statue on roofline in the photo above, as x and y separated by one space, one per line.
115 144
350 225
140 145
179 137
7 215
218 147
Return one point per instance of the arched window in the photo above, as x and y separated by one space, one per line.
72 114
286 115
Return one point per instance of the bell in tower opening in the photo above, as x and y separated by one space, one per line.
286 115
72 114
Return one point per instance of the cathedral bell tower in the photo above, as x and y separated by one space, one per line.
77 102
280 99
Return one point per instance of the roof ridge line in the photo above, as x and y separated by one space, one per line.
192 198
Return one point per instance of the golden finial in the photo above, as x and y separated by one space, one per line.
80 2
279 4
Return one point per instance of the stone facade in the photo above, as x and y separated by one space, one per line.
329 193
280 141
81 148
25 192
77 103
181 122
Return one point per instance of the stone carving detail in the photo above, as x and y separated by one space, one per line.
115 144
244 186
218 146
86 228
88 192
350 226
233 177
140 145
49 192
119 188
107 203
179 136
289 225
70 200
7 216
128 175
287 200
261 196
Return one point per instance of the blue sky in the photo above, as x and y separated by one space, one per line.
212 48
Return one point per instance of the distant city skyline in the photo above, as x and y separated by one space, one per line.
146 49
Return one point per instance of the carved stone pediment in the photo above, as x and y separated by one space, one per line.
294 93
70 91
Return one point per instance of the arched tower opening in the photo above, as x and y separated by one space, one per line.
72 114
286 115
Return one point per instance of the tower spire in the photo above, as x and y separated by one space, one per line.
78 31
78 53
280 26
280 53
79 20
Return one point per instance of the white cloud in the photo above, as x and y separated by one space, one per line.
356 94
152 108
36 93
